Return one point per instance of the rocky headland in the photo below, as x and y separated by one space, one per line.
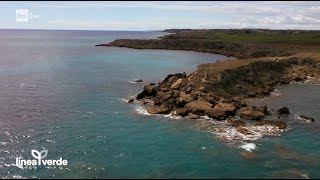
220 94
221 90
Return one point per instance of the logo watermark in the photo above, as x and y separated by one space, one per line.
39 160
24 15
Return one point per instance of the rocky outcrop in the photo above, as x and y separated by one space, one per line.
251 113
199 107
219 92
283 111
228 108
277 123
150 89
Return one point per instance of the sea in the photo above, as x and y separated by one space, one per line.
61 94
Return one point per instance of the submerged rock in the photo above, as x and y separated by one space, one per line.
283 111
238 123
251 113
248 154
244 130
277 123
138 80
307 118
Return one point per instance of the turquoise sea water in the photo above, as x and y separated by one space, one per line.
61 93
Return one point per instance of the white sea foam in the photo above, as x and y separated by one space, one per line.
141 110
248 146
172 116
228 133
276 93
3 143
296 116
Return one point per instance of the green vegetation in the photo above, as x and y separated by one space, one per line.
244 43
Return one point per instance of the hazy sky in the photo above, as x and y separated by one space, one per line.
157 15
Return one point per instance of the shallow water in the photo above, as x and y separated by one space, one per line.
61 93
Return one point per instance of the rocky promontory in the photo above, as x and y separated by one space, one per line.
219 94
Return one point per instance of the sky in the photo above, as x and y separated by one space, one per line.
159 15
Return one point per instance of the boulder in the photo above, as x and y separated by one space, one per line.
150 89
307 118
177 84
171 101
173 79
178 75
185 98
175 93
141 95
166 96
164 89
215 113
130 100
238 123
182 112
158 109
283 111
194 96
198 106
263 109
228 108
277 123
188 90
251 113
244 130
193 116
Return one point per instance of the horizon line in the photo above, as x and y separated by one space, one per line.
157 30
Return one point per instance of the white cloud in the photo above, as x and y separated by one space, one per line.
273 15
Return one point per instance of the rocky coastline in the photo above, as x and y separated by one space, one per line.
221 90
221 95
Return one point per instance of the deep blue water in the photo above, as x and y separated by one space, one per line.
61 93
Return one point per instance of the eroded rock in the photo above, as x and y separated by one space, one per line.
251 113
158 109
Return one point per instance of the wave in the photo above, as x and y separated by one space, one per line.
248 146
141 110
